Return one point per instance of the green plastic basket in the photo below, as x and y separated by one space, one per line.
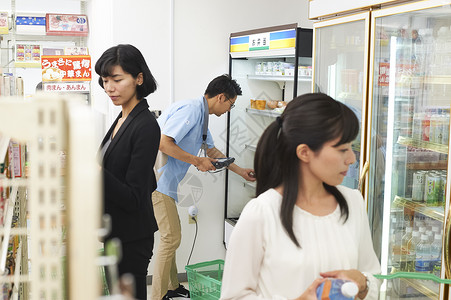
204 279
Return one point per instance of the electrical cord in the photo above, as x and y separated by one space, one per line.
194 241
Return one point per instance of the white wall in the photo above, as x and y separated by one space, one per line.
201 31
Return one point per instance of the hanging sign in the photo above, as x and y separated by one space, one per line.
66 68
259 41
281 39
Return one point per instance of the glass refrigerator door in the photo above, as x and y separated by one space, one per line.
408 136
340 68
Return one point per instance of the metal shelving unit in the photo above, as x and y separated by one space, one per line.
62 230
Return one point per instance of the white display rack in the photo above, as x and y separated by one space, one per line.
60 211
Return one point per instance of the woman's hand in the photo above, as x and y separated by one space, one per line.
353 275
310 292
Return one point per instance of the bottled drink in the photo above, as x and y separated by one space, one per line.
411 257
417 126
430 235
422 230
405 248
396 240
436 254
423 255
435 229
337 289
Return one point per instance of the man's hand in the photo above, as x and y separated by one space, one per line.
248 174
204 164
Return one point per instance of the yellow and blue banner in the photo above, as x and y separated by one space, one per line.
264 41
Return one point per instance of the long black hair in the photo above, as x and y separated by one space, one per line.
130 59
311 119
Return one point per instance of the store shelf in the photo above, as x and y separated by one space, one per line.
437 79
250 147
263 112
421 287
436 213
406 141
232 221
43 37
441 165
278 78
252 185
7 182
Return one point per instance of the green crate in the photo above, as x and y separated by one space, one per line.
205 279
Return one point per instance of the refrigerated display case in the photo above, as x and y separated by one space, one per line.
408 145
341 47
272 66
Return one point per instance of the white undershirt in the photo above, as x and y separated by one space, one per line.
263 263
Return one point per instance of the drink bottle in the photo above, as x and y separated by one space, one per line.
337 289
436 255
423 255
405 249
412 245
397 232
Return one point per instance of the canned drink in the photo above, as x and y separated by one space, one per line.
441 197
432 189
445 130
418 185
425 127
416 126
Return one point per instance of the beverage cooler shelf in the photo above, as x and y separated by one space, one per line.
278 78
407 141
441 165
421 287
251 147
438 79
252 185
263 112
434 212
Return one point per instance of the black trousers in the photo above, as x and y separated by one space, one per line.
135 261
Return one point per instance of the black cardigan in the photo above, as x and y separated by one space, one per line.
128 176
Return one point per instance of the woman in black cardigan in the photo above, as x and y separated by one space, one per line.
128 154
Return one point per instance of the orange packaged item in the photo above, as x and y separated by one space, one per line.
272 104
261 104
282 104
253 104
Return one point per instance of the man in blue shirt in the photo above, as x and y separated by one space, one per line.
183 134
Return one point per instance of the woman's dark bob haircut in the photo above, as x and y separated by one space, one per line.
130 59
311 119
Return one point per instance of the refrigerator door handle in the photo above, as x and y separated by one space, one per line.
447 245
362 176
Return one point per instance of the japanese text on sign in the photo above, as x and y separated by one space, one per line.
66 68
79 87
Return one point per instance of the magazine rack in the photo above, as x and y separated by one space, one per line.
61 195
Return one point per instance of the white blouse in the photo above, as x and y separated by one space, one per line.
262 262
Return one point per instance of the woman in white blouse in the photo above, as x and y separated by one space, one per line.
302 227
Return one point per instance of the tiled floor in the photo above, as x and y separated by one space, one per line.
185 284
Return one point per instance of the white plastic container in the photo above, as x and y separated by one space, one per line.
337 289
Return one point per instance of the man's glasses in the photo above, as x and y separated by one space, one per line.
232 105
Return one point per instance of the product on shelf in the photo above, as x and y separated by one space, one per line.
260 104
429 187
272 104
4 28
30 24
66 24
